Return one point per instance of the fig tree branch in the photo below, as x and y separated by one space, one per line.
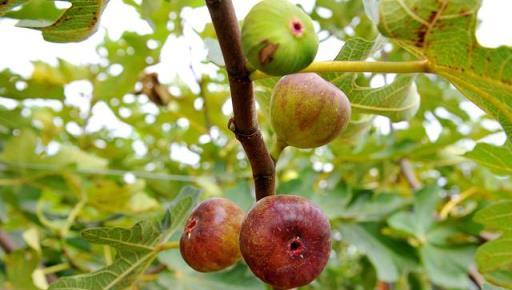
244 123
420 66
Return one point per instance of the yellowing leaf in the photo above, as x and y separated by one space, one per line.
31 237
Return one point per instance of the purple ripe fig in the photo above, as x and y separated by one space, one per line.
210 239
286 241
307 111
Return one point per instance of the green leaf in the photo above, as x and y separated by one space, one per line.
20 267
495 255
7 5
448 267
387 258
71 155
42 10
132 53
425 204
419 221
142 237
111 197
21 148
136 249
76 24
487 286
496 158
444 33
496 216
500 278
398 100
181 207
33 88
239 277
357 205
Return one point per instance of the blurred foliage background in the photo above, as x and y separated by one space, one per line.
401 195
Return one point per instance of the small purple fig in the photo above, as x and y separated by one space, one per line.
307 111
286 241
210 239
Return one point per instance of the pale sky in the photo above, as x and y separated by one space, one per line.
19 47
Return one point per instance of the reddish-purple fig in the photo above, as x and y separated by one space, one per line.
210 239
307 111
286 241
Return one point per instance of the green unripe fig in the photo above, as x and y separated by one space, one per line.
278 38
307 111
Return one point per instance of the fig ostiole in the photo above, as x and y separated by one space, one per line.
278 37
285 240
307 111
210 239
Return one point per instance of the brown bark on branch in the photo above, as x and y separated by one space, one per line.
244 123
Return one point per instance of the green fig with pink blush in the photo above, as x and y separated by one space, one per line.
278 38
307 111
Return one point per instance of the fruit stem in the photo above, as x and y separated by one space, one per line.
167 246
277 148
419 66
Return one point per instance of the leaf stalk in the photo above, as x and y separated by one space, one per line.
419 66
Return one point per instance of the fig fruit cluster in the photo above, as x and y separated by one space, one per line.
278 38
284 239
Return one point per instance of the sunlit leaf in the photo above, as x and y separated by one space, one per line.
495 255
397 100
76 24
497 215
7 5
444 33
496 158
136 249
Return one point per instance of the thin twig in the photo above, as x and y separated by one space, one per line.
409 174
6 243
244 123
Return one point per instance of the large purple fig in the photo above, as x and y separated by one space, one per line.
286 241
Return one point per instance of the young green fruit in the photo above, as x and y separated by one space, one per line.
307 111
278 38
210 239
285 240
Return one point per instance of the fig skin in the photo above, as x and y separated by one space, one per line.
307 111
286 241
278 37
210 239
